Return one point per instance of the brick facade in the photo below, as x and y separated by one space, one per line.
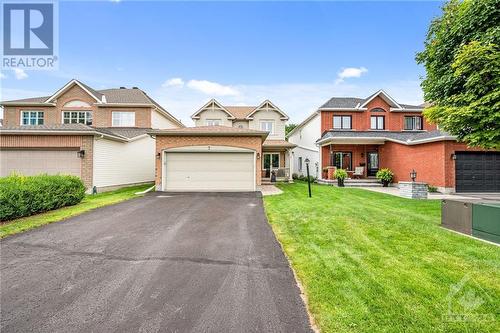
360 120
53 114
165 142
77 142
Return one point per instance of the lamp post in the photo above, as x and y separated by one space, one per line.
413 175
308 178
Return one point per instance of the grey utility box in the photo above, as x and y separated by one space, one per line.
457 215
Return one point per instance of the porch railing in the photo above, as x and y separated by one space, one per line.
281 173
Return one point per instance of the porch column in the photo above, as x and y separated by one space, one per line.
290 165
320 176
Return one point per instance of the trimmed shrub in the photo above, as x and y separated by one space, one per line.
27 195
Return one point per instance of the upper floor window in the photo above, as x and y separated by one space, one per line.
77 117
31 118
342 122
413 123
213 122
267 125
123 119
377 122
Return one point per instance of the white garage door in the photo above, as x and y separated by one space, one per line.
231 171
33 162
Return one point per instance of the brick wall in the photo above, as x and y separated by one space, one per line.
53 114
57 141
361 120
164 142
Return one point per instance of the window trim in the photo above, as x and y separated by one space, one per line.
376 123
212 120
413 122
273 125
29 117
122 112
342 122
332 159
78 111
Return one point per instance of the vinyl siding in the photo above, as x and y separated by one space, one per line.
305 139
117 163
279 125
213 114
158 121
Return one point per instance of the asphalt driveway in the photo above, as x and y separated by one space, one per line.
161 263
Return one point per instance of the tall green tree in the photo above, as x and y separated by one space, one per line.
289 128
462 62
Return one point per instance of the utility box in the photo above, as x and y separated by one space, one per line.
477 218
486 221
457 216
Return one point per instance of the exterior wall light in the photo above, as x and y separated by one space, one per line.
258 156
81 153
413 175
453 156
158 156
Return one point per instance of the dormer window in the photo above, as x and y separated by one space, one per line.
267 126
413 123
213 122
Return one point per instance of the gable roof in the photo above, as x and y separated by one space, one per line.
94 94
273 107
105 97
212 103
359 104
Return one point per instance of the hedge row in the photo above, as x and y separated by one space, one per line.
27 195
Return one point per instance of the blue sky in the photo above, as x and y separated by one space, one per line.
296 54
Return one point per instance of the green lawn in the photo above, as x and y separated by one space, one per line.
88 203
371 262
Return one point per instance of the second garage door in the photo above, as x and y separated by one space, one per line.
214 171
477 172
33 162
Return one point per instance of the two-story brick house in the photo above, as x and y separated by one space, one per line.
231 148
378 132
98 135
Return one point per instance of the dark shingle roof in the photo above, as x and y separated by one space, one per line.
56 127
342 102
398 136
128 133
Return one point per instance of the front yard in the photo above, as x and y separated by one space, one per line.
371 262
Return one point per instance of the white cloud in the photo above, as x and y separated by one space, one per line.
173 82
212 88
298 100
349 72
2 76
20 74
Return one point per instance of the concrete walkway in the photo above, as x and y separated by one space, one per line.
439 196
270 190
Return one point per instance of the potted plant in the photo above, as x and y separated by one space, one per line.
386 176
340 175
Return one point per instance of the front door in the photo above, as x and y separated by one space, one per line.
271 162
372 163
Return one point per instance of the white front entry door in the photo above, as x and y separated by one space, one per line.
209 171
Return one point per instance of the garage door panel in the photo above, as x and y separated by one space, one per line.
477 172
33 162
209 171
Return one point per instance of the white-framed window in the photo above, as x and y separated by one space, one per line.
377 122
123 119
213 122
300 163
267 126
77 117
31 117
342 122
413 123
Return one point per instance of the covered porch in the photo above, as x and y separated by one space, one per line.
360 160
277 163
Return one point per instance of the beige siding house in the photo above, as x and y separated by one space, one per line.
98 135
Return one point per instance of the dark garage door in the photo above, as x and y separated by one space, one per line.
477 172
